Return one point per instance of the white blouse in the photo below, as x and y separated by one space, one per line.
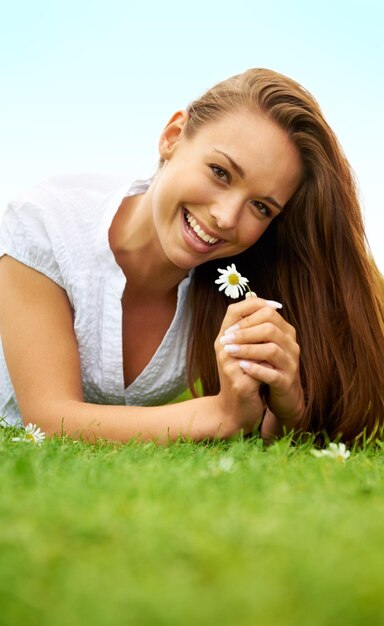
60 228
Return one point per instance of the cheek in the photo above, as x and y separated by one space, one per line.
175 187
252 231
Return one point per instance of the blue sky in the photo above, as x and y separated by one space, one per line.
88 85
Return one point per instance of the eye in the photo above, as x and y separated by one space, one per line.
262 208
220 173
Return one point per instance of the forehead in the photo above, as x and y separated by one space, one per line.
244 127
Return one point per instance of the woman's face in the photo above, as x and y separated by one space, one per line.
219 190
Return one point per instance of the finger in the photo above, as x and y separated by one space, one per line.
262 333
265 315
227 363
269 352
235 379
236 312
265 373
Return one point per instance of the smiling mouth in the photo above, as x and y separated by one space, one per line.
200 232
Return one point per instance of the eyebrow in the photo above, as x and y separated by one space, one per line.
241 173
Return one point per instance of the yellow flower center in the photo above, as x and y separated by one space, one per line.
233 279
29 437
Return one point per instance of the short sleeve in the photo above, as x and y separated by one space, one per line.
27 235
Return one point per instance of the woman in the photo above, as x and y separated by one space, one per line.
251 170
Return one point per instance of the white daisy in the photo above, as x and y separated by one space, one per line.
232 281
32 434
335 451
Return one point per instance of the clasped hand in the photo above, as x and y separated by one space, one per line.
256 345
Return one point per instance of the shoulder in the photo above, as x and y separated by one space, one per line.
46 225
64 203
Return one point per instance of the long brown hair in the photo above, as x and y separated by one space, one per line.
313 257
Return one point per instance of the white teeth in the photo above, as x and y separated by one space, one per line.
199 231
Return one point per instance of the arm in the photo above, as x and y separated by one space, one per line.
36 326
272 427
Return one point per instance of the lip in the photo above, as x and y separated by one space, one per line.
193 240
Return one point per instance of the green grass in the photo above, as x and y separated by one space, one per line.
228 533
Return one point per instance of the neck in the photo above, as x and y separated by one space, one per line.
135 245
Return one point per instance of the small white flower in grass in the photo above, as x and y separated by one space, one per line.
337 451
232 282
226 463
223 465
32 434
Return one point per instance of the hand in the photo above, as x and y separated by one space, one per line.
239 397
264 346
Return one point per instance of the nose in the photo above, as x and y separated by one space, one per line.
226 213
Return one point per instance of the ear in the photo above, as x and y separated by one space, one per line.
172 133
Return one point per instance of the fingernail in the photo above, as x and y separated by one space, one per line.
250 294
231 329
232 348
245 365
273 304
227 339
